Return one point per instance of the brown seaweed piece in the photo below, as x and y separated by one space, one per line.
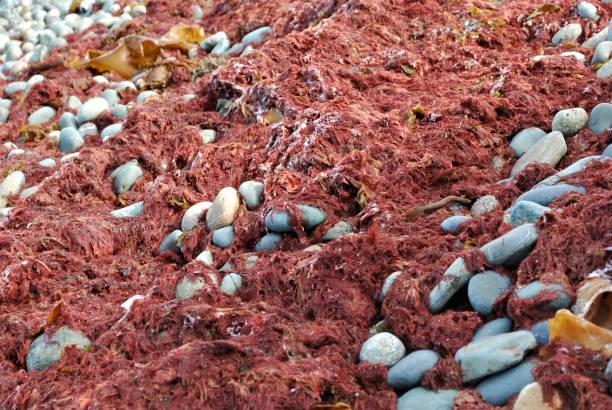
576 330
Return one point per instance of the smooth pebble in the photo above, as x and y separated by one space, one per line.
111 130
231 284
423 399
453 279
601 118
192 215
382 348
41 116
541 333
268 242
492 328
12 184
602 52
549 150
561 300
170 242
409 371
525 139
92 109
223 237
186 287
512 247
498 389
44 350
224 209
544 195
67 119
453 223
527 212
567 34
125 176
340 228
483 205
485 288
251 192
130 211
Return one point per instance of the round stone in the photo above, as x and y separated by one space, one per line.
111 130
70 140
311 216
570 121
111 96
541 333
223 237
485 288
12 184
251 192
268 242
605 70
382 348
483 205
205 257
92 109
492 328
87 129
409 371
41 116
388 283
125 176
561 299
170 242
44 350
47 163
68 119
602 52
231 283
278 221
587 10
601 118
223 210
191 217
145 95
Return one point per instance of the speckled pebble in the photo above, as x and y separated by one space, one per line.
601 117
483 205
549 150
570 121
110 130
383 348
453 279
527 212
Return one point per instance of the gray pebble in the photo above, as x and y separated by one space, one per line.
218 43
537 288
587 10
170 242
120 111
549 150
111 96
601 117
453 223
311 216
257 35
546 194
131 211
70 140
205 257
388 283
278 221
602 52
111 130
41 116
235 49
576 167
29 191
231 284
15 87
483 205
339 229
607 152
313 248
87 129
92 109
45 351
485 288
567 34
525 139
268 242
196 12
6 103
498 389
453 279
12 184
540 332
525 212
47 163
125 176
511 248
68 119
4 114
73 103
192 216
251 192
423 399
223 210
570 121
596 39
186 288
382 348
605 70
492 328
124 85
409 371
208 136
223 237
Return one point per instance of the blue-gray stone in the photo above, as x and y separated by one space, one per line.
485 288
91 109
130 211
111 96
453 223
70 140
311 216
574 168
544 195
607 152
6 103
251 191
47 163
540 332
4 114
527 212
120 111
68 119
186 287
223 237
87 129
235 49
44 350
278 221
570 121
568 33
536 288
608 374
382 348
511 248
493 354
597 38
41 116
548 150
15 87
492 328
602 52
525 140
218 43
110 130
145 95
339 229
170 242
423 399
601 117
604 71
388 283
498 389
587 10
268 242
191 217
125 176
409 371
257 35
452 280
231 284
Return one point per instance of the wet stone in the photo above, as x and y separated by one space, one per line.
339 229
485 288
170 242
541 333
409 371
223 237
423 399
525 140
453 223
453 279
537 288
44 350
527 212
549 150
382 348
251 192
483 205
570 121
546 194
231 284
268 242
186 287
41 116
498 389
567 34
601 118
511 248
223 210
492 328
278 221
125 176
70 140
388 284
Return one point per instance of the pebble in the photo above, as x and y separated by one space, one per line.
186 288
541 333
546 194
196 12
525 139
382 348
570 121
87 129
483 205
498 389
278 221
605 70
111 96
42 115
577 166
451 281
251 192
189 97
218 43
111 130
125 176
492 328
531 397
191 217
170 242
601 117
131 211
493 354
525 212
485 288
16 152
45 351
339 229
453 223
29 191
574 54
587 10
47 163
68 119
12 184
257 35
549 150
388 283
231 283
73 103
70 140
223 210
235 49
313 248
100 79
223 237
6 103
15 87
537 288
409 371
145 95
602 52
311 216
205 257
608 373
423 399
92 109
124 85
567 34
607 152
511 248
208 136
69 157
596 39
4 114
268 242
120 111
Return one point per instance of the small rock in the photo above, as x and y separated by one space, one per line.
170 242
223 210
4 114
87 129
546 194
602 52
218 43
577 166
409 371
339 229
42 115
256 36
47 163
111 130
189 97
608 373
498 389
493 354
570 121
68 119
223 237
313 248
16 152
73 103
511 248
111 96
531 397
382 348
452 280
124 85
268 242
596 39
492 328
537 288
485 288
567 34
453 223
145 95
131 211
186 288
549 150
70 140
120 111
92 109
423 399
311 216
278 221
125 176
587 10
540 332
525 212
574 54
388 283
208 136
483 205
196 12
100 79
601 117
251 192
607 152
205 257
45 351
29 192
6 103
605 70
525 139
192 216
231 284
15 87
12 184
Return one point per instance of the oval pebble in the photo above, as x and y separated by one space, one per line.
231 284
423 399
278 221
251 192
131 211
602 52
537 288
12 184
44 350
186 287
224 209
120 111
192 215
87 129
29 191
67 119
512 247
601 118
409 371
492 328
605 70
311 216
453 223
597 38
73 103
223 237
124 85
268 242
577 166
70 140
453 279
125 176
15 87
257 35
498 389
525 212
111 96
42 115
549 150
388 283
587 10
145 95
567 34
92 109
4 114
111 130
483 205
546 194
485 288
340 228
205 257
47 163
170 242
570 121
525 139
541 333
607 152
382 348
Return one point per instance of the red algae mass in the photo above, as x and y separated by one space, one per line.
386 106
